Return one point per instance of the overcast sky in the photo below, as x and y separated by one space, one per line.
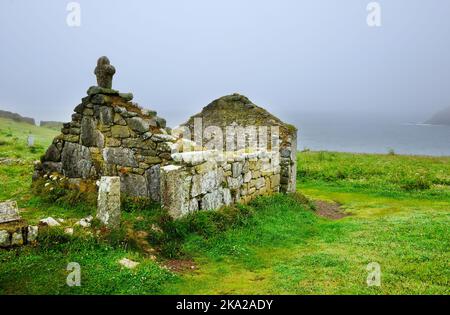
176 56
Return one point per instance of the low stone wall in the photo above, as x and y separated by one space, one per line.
208 180
15 234
51 124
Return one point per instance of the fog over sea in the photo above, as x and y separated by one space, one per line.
364 133
361 132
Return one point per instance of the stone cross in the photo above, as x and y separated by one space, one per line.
9 212
104 72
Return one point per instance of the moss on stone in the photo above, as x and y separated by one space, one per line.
238 109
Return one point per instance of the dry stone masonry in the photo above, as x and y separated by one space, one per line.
9 211
208 180
111 136
13 230
238 111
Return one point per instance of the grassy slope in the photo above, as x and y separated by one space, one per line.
13 144
400 210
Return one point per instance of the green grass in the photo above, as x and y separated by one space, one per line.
287 249
389 175
13 140
399 210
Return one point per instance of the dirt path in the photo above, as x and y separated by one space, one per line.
330 210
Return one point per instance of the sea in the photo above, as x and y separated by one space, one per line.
370 134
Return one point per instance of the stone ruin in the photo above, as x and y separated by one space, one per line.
13 230
109 135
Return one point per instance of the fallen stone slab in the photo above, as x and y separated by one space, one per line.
68 231
49 221
9 211
127 263
85 222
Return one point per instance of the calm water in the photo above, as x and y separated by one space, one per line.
371 135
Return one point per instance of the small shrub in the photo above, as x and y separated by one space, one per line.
302 199
57 192
209 223
418 183
36 149
132 204
322 156
49 237
169 240
206 224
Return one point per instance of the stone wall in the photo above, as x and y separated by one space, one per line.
51 124
110 136
239 110
208 180
17 234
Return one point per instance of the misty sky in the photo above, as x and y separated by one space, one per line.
289 56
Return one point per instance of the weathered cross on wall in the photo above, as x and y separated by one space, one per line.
104 72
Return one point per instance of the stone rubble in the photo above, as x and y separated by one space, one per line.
85 222
68 231
49 221
9 211
127 263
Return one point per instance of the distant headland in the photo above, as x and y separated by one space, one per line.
17 117
440 118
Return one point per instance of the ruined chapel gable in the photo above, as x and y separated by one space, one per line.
109 135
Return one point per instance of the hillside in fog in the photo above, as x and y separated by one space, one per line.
440 118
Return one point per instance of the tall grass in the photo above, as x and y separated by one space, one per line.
426 176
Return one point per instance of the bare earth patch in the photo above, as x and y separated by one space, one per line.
179 265
330 210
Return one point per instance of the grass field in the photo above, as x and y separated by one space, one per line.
398 216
